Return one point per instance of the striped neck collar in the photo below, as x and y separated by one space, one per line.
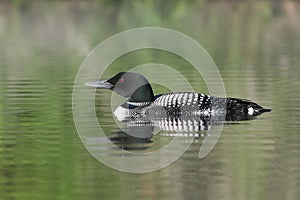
138 104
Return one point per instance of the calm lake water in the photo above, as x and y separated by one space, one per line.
256 47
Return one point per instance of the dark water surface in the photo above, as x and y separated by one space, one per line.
256 47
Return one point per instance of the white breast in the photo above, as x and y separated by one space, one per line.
121 113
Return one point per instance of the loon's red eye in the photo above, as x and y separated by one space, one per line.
121 80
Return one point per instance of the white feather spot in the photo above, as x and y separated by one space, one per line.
206 112
250 111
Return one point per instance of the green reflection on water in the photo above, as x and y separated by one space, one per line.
255 45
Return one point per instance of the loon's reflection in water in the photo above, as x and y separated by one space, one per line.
133 138
138 133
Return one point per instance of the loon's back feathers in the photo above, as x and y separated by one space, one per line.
141 100
192 104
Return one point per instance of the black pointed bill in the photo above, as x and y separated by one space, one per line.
101 84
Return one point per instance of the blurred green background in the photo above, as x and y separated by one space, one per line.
255 44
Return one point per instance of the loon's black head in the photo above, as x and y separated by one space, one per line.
131 85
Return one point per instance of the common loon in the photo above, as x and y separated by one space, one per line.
141 101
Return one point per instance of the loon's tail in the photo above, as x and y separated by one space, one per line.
255 109
239 106
266 110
